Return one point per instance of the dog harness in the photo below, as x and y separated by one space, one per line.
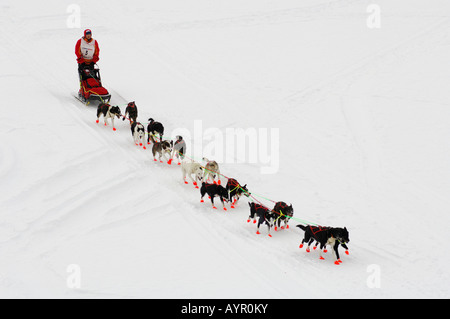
234 183
258 206
317 229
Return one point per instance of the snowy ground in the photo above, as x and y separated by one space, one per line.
363 120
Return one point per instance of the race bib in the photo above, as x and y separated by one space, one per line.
87 49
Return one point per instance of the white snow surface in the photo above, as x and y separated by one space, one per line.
363 117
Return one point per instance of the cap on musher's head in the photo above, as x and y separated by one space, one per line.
87 31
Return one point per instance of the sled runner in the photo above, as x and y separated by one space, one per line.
91 89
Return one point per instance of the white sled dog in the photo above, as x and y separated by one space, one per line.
189 168
138 132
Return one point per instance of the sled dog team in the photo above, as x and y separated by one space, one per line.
208 176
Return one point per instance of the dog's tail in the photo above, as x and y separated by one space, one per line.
302 227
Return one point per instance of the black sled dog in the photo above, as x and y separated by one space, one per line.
108 112
214 190
154 128
284 212
235 191
333 236
264 215
132 112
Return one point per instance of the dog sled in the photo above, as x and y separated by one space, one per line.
91 89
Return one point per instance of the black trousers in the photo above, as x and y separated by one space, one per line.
82 67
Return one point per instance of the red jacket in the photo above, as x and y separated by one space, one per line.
87 51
